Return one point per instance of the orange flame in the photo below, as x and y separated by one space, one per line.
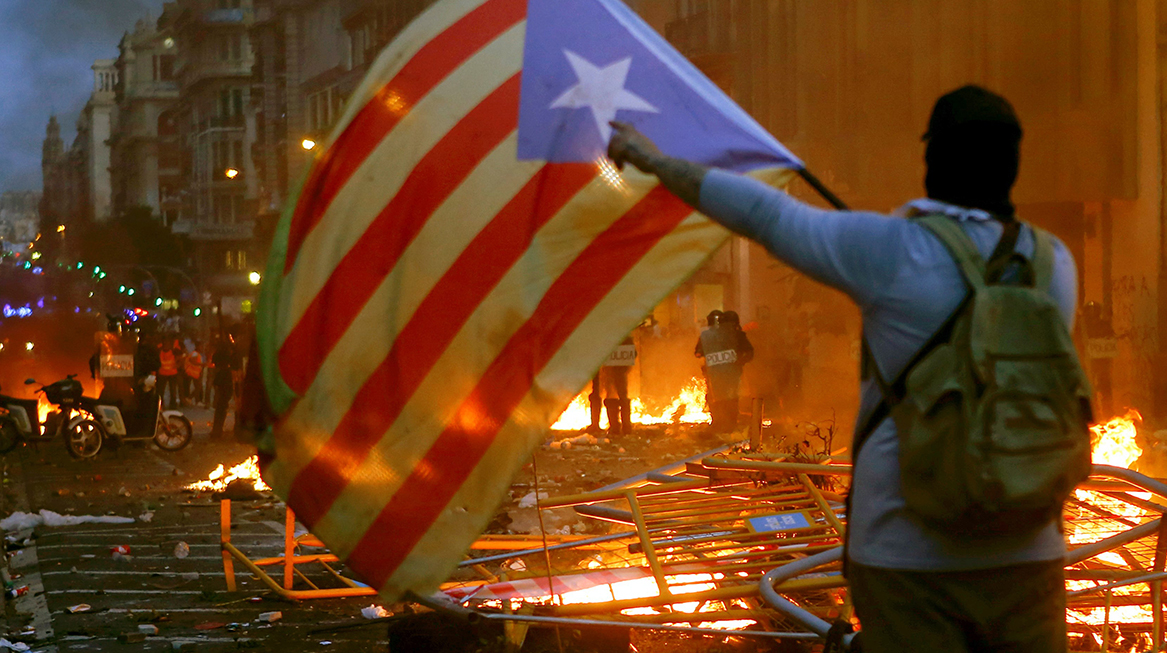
219 479
688 407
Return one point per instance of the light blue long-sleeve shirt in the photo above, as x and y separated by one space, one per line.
906 285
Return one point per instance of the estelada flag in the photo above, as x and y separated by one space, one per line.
462 257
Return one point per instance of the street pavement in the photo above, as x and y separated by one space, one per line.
185 598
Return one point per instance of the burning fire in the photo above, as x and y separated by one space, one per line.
43 408
1113 444
688 407
221 478
1114 441
641 588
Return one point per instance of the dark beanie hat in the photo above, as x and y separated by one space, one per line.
973 151
969 105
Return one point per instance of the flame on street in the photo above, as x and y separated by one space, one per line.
1114 441
219 479
688 407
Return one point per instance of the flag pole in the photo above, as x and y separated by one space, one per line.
822 190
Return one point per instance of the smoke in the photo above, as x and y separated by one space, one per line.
47 48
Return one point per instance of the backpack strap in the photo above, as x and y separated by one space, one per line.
962 248
972 267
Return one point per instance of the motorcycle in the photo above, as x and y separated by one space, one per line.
69 419
169 429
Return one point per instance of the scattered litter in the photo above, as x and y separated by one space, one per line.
269 617
123 549
556 445
80 607
13 646
21 520
255 599
148 629
375 612
146 517
88 555
582 439
209 625
325 642
181 550
123 492
518 565
529 501
14 592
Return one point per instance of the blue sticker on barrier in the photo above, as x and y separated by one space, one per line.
781 522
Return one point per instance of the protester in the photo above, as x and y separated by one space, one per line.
914 586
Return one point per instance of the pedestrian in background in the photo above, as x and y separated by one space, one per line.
169 361
192 381
226 365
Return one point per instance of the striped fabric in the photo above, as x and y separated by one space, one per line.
435 297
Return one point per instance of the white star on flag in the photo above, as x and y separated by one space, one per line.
601 90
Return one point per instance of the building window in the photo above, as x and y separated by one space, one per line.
163 67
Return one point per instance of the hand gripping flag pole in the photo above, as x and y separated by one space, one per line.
461 257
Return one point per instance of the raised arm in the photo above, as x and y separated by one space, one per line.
855 252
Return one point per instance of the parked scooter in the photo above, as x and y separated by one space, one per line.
69 419
169 429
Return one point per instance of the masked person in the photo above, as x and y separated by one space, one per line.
917 585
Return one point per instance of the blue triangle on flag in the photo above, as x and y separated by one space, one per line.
587 62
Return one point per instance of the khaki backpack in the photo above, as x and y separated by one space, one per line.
993 414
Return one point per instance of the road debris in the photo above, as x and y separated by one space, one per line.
23 520
80 607
181 550
269 617
375 612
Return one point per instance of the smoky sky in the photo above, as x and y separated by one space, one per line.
47 48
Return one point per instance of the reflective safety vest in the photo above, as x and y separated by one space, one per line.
194 365
169 364
721 367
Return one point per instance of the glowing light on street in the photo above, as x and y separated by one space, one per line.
308 144
60 228
28 346
255 278
231 173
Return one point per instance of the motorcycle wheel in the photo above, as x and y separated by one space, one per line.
9 434
83 440
175 434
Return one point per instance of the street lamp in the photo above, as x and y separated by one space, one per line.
255 278
231 173
308 144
